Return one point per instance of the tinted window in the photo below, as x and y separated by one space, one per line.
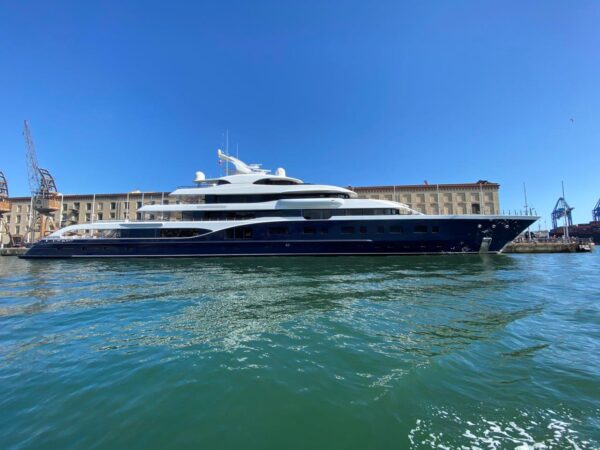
420 229
181 232
239 233
139 233
274 181
347 230
315 214
238 215
396 229
253 198
309 230
278 231
435 229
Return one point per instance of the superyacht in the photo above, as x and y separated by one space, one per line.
253 212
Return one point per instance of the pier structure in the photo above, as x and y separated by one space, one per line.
549 246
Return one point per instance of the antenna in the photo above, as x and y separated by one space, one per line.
227 151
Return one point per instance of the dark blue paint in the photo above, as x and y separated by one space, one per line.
454 236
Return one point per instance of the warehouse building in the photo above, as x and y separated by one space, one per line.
465 198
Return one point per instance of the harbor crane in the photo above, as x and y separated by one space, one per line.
44 196
561 209
596 212
4 209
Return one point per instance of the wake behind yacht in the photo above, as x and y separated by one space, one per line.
254 212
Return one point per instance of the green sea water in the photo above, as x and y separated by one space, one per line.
301 353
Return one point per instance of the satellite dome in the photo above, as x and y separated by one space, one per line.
280 172
200 177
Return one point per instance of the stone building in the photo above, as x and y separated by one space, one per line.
81 209
466 198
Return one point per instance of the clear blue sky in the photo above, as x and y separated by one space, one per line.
136 95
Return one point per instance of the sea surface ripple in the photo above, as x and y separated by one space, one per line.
486 352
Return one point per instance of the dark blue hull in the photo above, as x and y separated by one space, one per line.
315 237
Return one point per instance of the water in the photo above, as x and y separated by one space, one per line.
338 353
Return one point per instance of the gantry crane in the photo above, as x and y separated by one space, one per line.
43 191
561 209
4 209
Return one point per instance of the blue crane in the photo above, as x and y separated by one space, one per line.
561 209
596 212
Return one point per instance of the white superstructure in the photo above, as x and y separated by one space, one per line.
249 189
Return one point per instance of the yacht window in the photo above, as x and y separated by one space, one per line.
238 215
420 229
256 198
435 229
347 230
239 233
182 232
396 229
274 181
316 214
278 231
310 230
364 212
112 234
138 232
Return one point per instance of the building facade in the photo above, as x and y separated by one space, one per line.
466 198
76 209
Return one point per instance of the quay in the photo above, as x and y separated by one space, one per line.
12 251
549 246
